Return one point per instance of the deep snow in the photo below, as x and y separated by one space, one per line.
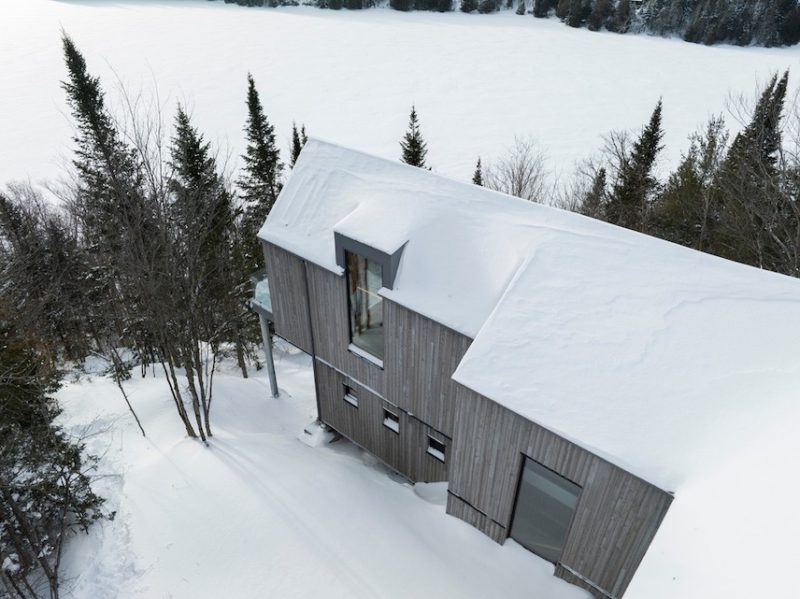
260 514
477 80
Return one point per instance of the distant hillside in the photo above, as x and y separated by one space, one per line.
740 22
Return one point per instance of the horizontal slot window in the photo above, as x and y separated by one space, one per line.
391 421
436 449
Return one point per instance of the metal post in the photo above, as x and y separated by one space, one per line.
267 338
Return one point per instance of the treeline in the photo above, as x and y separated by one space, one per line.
740 22
736 199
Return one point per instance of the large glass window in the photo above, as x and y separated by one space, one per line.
545 504
364 279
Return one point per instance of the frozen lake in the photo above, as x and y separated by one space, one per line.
477 80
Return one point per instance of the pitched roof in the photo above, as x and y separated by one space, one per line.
677 366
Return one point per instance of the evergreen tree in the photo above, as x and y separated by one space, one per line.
562 9
477 176
750 185
593 203
621 21
260 180
299 139
600 14
579 11
469 5
110 180
541 8
629 203
414 148
521 7
687 210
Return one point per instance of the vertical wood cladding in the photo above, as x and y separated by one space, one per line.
405 451
617 513
330 319
287 286
421 356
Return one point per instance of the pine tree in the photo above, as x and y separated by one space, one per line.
299 139
521 7
628 204
562 9
414 148
477 176
469 5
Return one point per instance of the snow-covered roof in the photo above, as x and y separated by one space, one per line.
464 243
680 367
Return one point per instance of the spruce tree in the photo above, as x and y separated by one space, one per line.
414 148
477 176
109 177
299 139
628 204
260 182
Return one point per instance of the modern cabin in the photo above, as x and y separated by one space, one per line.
565 377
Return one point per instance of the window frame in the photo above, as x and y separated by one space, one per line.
354 347
350 396
578 498
429 450
389 415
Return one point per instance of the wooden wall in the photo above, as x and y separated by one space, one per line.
421 356
617 514
405 451
287 284
330 318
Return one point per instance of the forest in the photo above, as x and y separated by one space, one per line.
740 22
144 258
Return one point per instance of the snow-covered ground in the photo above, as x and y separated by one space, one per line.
260 514
477 80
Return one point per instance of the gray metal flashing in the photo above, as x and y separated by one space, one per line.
389 262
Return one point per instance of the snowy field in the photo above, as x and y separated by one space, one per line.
260 514
477 80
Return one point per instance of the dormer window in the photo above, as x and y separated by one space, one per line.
364 279
367 270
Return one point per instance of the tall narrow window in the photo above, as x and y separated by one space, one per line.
364 279
545 504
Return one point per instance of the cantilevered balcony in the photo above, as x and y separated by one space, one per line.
262 300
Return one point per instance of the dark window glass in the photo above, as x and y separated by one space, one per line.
545 504
436 449
364 279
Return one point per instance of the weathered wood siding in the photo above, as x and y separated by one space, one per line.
421 356
330 319
617 513
405 451
287 284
